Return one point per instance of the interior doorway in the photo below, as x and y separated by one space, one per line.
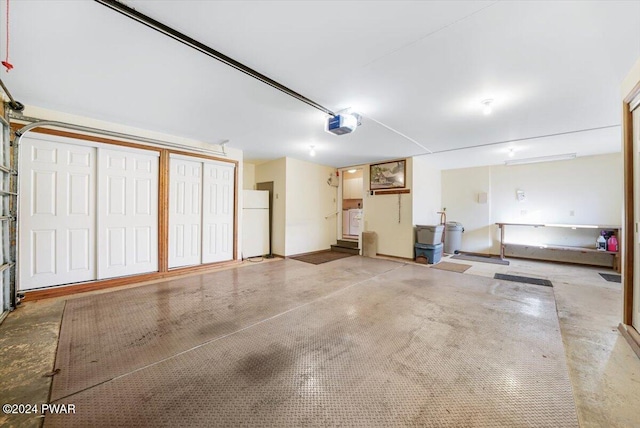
352 203
268 185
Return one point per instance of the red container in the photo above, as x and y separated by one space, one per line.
612 244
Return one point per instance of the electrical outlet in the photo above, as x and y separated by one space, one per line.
523 212
572 213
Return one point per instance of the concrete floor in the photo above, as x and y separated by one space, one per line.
603 370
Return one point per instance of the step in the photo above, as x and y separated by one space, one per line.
347 244
345 249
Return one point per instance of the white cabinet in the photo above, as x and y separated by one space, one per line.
346 189
352 188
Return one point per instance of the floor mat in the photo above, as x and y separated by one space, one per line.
452 267
611 277
104 336
407 347
323 257
483 259
525 279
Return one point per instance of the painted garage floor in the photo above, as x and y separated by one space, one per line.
354 342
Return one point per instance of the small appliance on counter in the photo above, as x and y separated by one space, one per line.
354 221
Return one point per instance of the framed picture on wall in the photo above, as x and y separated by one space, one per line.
388 175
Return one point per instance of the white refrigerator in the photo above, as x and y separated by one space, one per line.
255 223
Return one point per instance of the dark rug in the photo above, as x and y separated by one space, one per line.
483 259
324 257
611 277
525 279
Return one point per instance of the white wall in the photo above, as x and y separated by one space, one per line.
309 200
427 191
41 113
590 187
275 171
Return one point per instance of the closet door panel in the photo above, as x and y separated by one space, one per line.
218 212
57 214
127 205
185 212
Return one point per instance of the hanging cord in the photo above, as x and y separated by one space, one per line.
6 62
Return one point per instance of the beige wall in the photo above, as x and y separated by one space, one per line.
302 200
588 187
276 171
380 213
248 176
309 200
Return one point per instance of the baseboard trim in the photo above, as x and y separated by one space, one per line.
83 287
404 259
470 253
632 337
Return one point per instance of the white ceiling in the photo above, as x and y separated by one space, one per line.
419 67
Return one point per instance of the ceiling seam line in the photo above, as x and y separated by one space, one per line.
523 139
429 35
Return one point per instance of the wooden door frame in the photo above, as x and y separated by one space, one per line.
163 220
628 244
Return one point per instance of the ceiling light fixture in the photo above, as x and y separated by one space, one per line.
565 156
351 171
487 109
312 152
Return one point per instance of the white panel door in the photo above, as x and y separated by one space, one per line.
127 212
218 212
185 212
57 214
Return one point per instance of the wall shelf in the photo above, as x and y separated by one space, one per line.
391 192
